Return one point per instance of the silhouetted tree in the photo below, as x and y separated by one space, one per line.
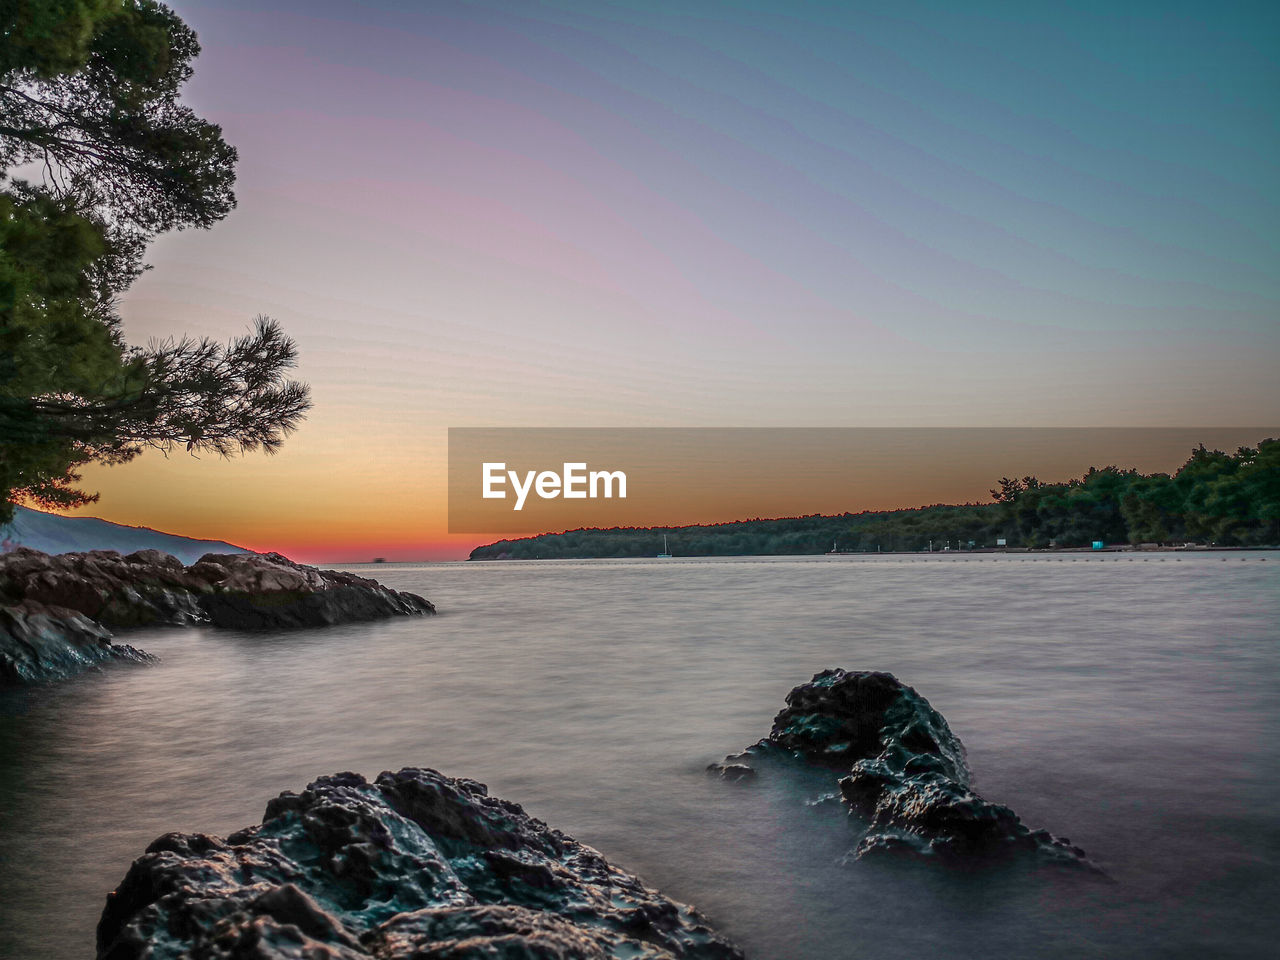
97 156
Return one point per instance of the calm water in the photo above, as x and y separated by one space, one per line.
1131 705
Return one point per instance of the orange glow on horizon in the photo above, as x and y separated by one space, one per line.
319 502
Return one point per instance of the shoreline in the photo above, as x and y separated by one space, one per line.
977 551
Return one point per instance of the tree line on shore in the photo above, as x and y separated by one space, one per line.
1228 499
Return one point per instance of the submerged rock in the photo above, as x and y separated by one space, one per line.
906 776
415 865
105 589
40 643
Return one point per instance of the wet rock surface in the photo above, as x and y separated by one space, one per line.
903 773
413 865
47 600
39 643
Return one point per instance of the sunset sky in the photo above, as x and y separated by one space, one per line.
712 214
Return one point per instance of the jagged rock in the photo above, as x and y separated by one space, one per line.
39 643
242 591
252 592
415 865
731 770
906 777
116 591
245 591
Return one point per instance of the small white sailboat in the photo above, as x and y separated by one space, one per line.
665 554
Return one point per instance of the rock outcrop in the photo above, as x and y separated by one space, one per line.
40 643
414 865
47 603
269 592
905 777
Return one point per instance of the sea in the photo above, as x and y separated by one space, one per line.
1129 702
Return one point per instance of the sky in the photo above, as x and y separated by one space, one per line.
517 214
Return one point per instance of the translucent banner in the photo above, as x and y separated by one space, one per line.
536 480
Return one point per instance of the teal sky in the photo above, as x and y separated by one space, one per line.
959 174
1068 147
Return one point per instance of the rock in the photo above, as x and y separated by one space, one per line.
838 718
155 558
208 571
730 770
244 591
252 592
115 591
906 777
40 643
147 587
415 865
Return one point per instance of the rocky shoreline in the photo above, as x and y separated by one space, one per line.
413 865
57 611
417 864
901 773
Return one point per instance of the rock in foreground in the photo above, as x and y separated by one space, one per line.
905 771
415 865
54 608
40 643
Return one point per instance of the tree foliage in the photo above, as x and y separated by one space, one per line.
97 156
1215 497
99 113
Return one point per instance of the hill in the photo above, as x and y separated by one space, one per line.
50 533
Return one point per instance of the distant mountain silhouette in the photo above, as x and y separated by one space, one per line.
54 534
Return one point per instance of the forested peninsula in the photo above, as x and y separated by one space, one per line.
1215 498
